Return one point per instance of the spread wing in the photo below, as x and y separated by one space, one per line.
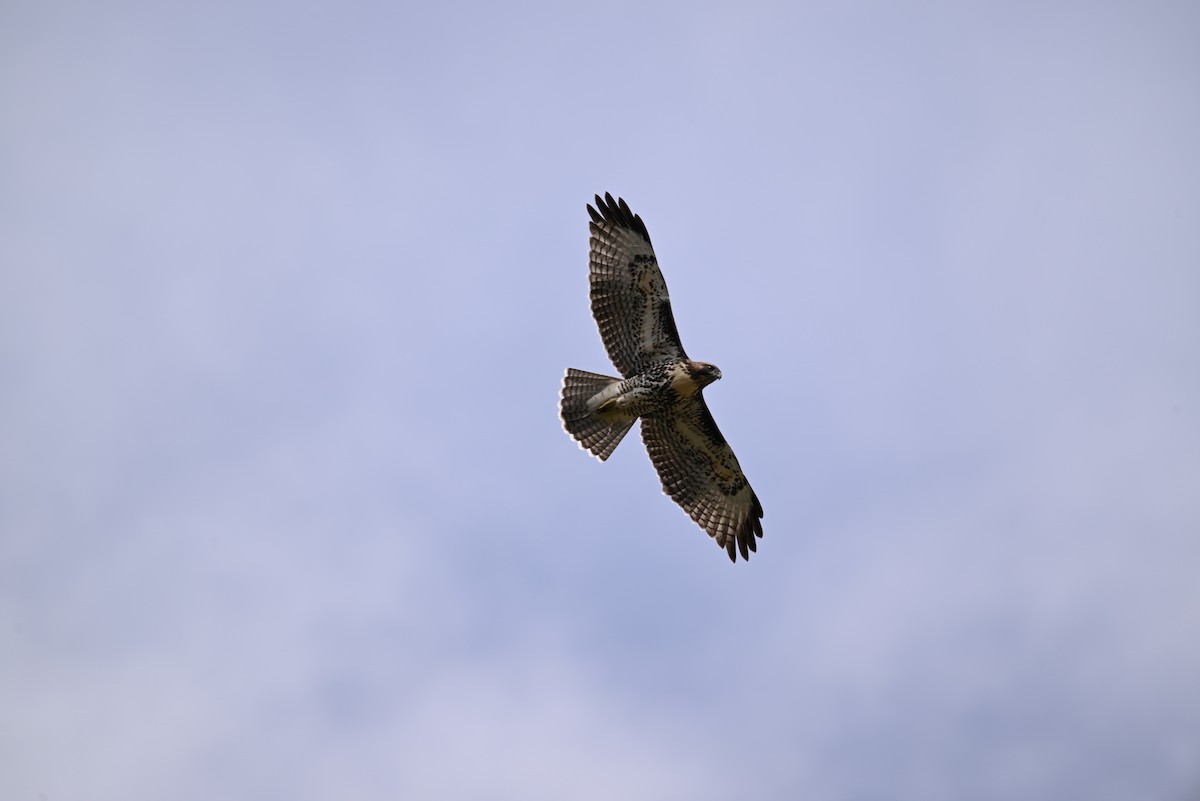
700 472
629 296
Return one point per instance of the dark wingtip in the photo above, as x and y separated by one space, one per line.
750 529
618 213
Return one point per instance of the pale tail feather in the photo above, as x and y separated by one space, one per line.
590 431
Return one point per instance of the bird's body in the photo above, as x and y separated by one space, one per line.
653 392
660 386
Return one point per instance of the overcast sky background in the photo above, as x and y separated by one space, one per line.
286 295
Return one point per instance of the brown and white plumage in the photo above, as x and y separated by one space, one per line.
660 386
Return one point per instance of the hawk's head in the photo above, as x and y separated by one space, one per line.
703 373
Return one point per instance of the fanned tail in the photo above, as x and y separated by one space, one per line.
593 434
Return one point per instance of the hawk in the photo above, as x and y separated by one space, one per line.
660 386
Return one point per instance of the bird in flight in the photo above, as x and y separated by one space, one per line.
659 385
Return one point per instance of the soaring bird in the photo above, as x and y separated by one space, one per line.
660 385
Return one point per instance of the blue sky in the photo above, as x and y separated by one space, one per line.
286 296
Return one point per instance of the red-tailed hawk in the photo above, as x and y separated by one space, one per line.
661 386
